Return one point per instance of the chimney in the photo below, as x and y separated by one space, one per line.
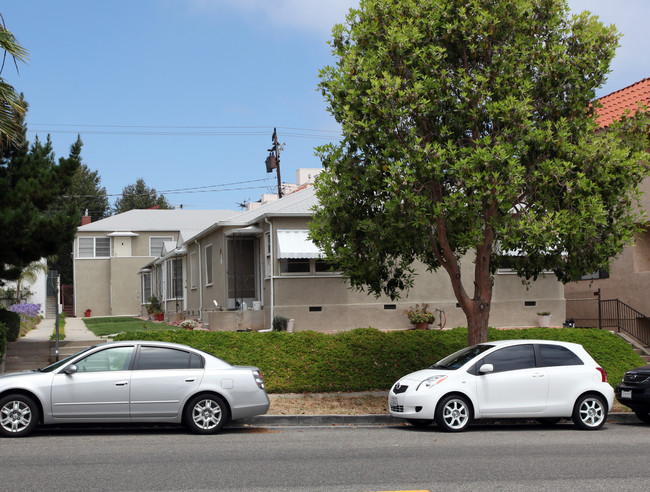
86 219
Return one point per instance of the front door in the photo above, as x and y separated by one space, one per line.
99 390
516 386
242 271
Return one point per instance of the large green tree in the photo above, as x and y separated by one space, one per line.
469 131
84 193
32 222
12 105
140 196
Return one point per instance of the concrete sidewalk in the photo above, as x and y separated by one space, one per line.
75 331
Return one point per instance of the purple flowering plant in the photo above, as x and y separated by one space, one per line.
26 310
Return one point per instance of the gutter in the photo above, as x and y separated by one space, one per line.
272 276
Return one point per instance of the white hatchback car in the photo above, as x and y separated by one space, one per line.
539 379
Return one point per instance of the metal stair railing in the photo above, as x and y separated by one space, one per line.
613 313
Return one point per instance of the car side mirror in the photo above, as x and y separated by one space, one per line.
486 369
71 369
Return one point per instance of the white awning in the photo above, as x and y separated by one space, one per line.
296 244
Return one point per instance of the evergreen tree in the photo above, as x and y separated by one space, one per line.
139 196
33 220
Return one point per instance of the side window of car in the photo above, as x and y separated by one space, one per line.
511 358
556 355
111 359
166 358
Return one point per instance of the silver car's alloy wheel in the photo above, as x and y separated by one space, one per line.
18 416
453 414
590 412
206 414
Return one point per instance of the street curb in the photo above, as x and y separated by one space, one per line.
384 419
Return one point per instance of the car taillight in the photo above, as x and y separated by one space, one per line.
603 373
257 374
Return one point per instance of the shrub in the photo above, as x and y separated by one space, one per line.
367 359
3 340
11 320
280 323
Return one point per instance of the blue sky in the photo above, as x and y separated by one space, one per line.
186 93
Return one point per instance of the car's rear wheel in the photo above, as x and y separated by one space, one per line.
453 413
643 415
590 412
19 415
206 414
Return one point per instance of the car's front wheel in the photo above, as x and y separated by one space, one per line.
19 415
590 412
643 415
453 413
206 414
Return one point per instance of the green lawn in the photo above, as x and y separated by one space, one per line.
125 324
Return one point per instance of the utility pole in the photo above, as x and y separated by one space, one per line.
273 159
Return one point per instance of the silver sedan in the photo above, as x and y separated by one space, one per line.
132 381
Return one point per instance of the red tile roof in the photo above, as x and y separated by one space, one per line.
615 104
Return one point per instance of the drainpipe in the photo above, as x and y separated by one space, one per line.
272 295
198 247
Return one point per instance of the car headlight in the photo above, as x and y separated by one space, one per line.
432 381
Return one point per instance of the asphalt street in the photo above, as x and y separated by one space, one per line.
329 458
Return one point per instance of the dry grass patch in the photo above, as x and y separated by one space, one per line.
328 404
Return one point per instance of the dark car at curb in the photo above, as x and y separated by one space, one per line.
634 392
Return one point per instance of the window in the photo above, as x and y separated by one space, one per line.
112 359
194 271
604 273
511 358
556 355
156 245
208 265
164 358
94 247
146 287
175 276
295 266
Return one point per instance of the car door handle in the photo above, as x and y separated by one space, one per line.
190 380
121 383
538 375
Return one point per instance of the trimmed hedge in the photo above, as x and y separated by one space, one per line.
367 359
11 321
3 341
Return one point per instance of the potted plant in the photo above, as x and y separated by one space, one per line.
154 309
189 324
421 317
544 319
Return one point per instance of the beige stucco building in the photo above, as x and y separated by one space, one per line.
241 269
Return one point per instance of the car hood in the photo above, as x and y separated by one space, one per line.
642 369
13 375
424 374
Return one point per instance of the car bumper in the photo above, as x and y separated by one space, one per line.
633 396
412 405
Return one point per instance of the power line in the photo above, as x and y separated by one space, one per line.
160 130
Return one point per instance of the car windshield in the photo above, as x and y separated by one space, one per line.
62 362
460 358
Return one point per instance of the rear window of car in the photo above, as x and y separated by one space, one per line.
151 358
556 355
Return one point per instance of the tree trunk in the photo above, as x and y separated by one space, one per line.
477 323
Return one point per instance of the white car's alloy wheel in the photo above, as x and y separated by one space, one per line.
453 413
590 412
